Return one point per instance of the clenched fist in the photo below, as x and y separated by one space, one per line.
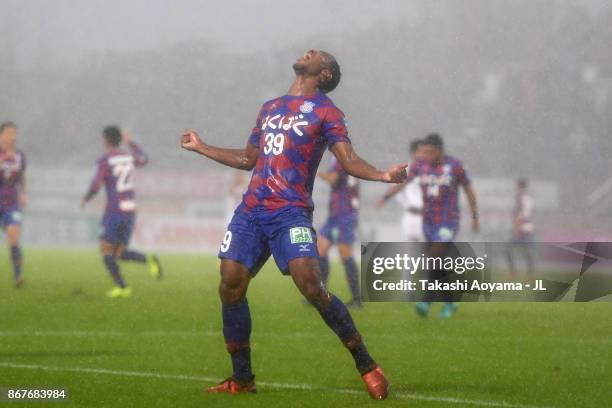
190 140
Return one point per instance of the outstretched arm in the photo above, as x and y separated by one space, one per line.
96 183
21 184
140 157
331 177
358 167
393 190
242 159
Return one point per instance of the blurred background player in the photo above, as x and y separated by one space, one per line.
115 171
284 150
522 237
12 194
410 198
340 227
440 176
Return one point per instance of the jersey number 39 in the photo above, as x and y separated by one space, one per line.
274 143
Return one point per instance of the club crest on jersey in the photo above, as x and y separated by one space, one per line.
307 107
300 235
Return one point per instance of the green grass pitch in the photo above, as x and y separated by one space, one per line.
163 345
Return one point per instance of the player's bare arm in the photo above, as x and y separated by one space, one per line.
330 177
140 157
21 189
91 193
473 203
358 167
95 186
242 159
393 190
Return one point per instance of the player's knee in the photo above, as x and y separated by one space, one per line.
234 283
106 248
323 246
119 250
345 251
315 293
12 234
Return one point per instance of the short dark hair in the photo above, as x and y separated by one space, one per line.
522 182
7 125
334 68
435 140
414 145
112 134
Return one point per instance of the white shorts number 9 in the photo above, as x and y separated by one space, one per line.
227 240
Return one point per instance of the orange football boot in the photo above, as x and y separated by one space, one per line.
376 383
232 386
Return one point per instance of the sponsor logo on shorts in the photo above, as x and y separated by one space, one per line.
300 235
335 233
16 216
445 234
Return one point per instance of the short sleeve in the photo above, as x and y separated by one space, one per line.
461 175
257 131
334 127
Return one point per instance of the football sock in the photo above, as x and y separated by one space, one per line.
338 318
352 276
237 333
16 258
324 261
133 256
113 269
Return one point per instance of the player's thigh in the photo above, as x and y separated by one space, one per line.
110 238
327 231
292 243
107 248
323 245
235 278
345 251
11 221
125 229
244 243
13 232
346 236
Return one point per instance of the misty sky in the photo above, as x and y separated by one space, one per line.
63 30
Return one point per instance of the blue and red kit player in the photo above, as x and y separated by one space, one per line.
275 217
115 172
12 194
522 238
440 176
340 226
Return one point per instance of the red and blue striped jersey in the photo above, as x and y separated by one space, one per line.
344 198
440 185
291 133
115 171
12 166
